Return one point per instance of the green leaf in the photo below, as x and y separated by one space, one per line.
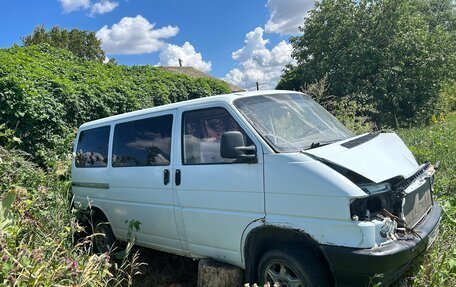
8 200
16 139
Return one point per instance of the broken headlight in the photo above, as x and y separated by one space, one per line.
369 207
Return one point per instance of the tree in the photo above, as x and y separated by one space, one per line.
83 44
396 53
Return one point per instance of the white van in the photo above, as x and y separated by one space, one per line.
268 181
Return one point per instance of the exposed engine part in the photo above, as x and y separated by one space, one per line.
388 230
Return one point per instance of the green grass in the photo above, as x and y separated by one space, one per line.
437 143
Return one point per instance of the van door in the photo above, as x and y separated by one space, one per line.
216 198
140 186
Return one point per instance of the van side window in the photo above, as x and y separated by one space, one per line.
92 150
144 142
202 131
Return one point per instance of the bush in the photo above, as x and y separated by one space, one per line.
447 98
46 93
351 111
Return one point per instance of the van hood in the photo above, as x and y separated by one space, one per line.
377 157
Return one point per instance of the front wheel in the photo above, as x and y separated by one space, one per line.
292 268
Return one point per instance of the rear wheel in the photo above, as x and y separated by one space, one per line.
103 238
292 268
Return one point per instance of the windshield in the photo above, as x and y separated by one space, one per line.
291 122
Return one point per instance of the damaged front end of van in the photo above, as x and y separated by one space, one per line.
397 214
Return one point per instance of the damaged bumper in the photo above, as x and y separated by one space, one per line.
385 264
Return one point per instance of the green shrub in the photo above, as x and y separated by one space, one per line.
447 98
352 111
46 93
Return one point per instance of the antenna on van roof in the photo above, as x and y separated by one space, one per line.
258 86
180 62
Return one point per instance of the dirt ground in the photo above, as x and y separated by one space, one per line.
165 270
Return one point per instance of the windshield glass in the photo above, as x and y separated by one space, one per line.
291 122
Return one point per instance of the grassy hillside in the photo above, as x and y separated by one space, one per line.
437 143
45 93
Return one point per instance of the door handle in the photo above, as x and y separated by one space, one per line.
178 177
166 176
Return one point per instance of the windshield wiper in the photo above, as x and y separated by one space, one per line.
321 143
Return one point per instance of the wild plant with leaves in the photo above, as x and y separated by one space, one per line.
437 143
36 231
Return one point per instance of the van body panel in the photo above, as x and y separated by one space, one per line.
297 173
229 207
304 194
89 176
138 193
378 159
324 231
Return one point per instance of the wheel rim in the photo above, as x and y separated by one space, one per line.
279 272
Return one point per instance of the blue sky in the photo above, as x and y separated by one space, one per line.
239 41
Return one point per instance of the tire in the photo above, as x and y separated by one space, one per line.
293 267
104 241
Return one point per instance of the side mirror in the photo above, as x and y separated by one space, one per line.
232 145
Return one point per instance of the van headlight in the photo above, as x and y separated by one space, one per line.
379 197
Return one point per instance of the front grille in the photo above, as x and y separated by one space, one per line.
417 203
408 181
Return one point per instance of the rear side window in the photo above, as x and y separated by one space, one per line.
92 149
144 142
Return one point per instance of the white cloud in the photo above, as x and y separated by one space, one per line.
134 36
74 5
171 54
286 16
102 7
98 7
256 63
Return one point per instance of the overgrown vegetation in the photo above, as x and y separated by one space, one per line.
396 55
36 228
46 93
437 143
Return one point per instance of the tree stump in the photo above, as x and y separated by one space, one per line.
212 273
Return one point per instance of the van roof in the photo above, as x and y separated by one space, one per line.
228 98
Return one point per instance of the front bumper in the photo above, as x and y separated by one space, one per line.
385 264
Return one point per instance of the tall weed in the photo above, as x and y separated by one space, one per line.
37 227
437 143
